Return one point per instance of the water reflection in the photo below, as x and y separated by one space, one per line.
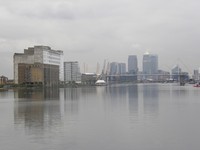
37 109
71 100
4 94
133 99
151 99
115 96
117 91
179 92
72 94
88 91
115 116
37 94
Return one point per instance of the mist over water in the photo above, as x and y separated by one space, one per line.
114 117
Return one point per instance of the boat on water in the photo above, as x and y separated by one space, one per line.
197 85
100 83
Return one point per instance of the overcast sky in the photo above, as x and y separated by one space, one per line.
90 31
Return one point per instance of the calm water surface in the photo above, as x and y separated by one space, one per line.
116 117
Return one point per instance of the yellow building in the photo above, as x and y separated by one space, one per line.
38 73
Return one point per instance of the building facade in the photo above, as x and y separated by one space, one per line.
89 78
39 54
113 68
150 66
122 68
38 74
132 64
117 68
72 72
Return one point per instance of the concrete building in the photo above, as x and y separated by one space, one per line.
3 80
37 73
150 66
132 64
39 54
88 78
72 72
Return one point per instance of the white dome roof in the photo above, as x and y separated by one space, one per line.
100 81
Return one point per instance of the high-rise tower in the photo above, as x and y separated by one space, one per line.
150 66
132 64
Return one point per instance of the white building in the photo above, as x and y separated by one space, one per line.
39 54
72 72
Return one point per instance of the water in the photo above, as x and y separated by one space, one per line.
116 117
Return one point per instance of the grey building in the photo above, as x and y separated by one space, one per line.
88 78
113 68
72 72
117 68
150 66
132 64
121 68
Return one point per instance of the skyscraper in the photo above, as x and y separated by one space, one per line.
132 64
122 68
117 68
150 66
113 68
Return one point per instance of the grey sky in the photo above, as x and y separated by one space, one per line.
90 31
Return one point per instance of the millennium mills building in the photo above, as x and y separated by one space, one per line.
38 65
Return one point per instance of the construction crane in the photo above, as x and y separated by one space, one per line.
104 71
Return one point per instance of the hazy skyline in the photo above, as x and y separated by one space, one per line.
90 31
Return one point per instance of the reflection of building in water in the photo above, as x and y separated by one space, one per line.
38 116
117 92
179 93
133 99
72 93
37 94
116 96
88 91
150 99
71 100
